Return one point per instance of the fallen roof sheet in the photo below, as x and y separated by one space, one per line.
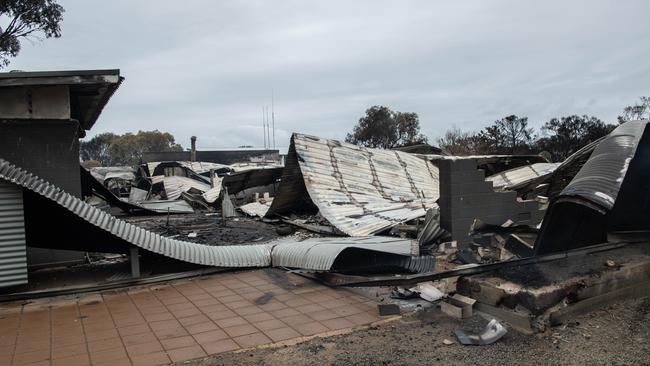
561 176
221 256
102 173
601 177
320 254
91 186
360 191
255 208
581 214
513 178
176 185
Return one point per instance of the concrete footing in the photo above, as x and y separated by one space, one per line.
532 297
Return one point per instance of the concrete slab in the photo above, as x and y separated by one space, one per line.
179 321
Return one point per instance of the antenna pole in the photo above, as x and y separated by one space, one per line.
273 117
264 127
268 126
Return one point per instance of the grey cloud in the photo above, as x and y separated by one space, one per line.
207 68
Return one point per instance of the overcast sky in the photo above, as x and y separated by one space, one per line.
207 68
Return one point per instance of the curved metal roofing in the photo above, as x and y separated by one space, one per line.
319 254
220 256
601 176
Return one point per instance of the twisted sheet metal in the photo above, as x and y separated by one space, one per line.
360 191
220 256
511 179
319 254
601 177
431 231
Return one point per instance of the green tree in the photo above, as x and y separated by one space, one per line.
565 135
383 128
97 148
127 149
27 19
636 111
111 149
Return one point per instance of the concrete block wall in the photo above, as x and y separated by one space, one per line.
465 195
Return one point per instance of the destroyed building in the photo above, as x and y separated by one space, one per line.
43 115
514 237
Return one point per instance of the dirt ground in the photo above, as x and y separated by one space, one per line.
618 334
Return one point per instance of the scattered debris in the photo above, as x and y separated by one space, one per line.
227 208
428 291
257 208
611 264
458 306
492 333
388 309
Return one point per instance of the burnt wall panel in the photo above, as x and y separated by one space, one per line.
49 149
465 195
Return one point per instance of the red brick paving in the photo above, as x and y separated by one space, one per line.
178 321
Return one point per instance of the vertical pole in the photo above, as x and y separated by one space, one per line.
273 116
263 127
193 150
268 126
134 258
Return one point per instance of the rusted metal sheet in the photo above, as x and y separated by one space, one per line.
360 191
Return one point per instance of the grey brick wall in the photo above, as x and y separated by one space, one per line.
465 196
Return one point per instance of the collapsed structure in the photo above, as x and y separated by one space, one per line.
359 191
369 212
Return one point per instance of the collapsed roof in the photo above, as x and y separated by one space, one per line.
360 191
609 194
90 229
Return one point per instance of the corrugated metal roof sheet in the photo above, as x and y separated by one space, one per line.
13 255
512 178
319 254
360 191
220 256
175 185
102 173
601 177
